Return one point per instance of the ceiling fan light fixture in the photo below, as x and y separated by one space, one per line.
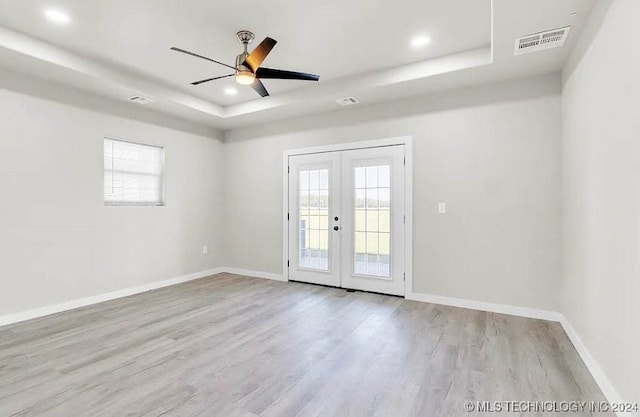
245 77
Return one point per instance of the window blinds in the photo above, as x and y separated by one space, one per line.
133 173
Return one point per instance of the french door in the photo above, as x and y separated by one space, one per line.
346 219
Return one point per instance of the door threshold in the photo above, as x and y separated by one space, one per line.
349 290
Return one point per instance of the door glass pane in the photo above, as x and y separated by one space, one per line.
372 221
372 198
372 178
314 219
384 176
384 220
360 174
324 179
360 198
361 221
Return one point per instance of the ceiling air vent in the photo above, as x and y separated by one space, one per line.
140 100
541 41
347 101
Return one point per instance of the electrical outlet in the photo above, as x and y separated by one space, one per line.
442 208
205 250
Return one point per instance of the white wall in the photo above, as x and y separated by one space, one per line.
492 153
601 164
58 242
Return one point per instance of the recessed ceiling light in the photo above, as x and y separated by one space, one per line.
420 41
230 91
57 16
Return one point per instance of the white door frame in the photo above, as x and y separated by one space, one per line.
407 141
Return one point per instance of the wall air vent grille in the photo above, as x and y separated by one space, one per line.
541 41
347 101
140 100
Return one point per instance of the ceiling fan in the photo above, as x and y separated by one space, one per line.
248 70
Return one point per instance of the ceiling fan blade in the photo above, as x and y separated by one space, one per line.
211 79
285 75
200 56
259 87
257 56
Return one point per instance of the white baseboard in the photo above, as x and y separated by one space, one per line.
483 306
596 371
256 274
598 374
95 299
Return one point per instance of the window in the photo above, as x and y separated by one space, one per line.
372 221
133 173
314 219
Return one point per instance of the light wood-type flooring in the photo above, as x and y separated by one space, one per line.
234 346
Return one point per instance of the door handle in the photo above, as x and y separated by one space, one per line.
336 228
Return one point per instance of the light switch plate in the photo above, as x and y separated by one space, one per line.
205 250
442 208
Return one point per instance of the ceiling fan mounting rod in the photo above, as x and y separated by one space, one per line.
245 37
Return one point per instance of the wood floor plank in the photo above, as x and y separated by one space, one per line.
233 346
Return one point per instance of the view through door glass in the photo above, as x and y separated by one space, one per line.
372 221
314 219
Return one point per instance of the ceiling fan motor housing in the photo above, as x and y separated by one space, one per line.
240 59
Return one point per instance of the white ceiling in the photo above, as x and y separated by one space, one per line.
117 48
